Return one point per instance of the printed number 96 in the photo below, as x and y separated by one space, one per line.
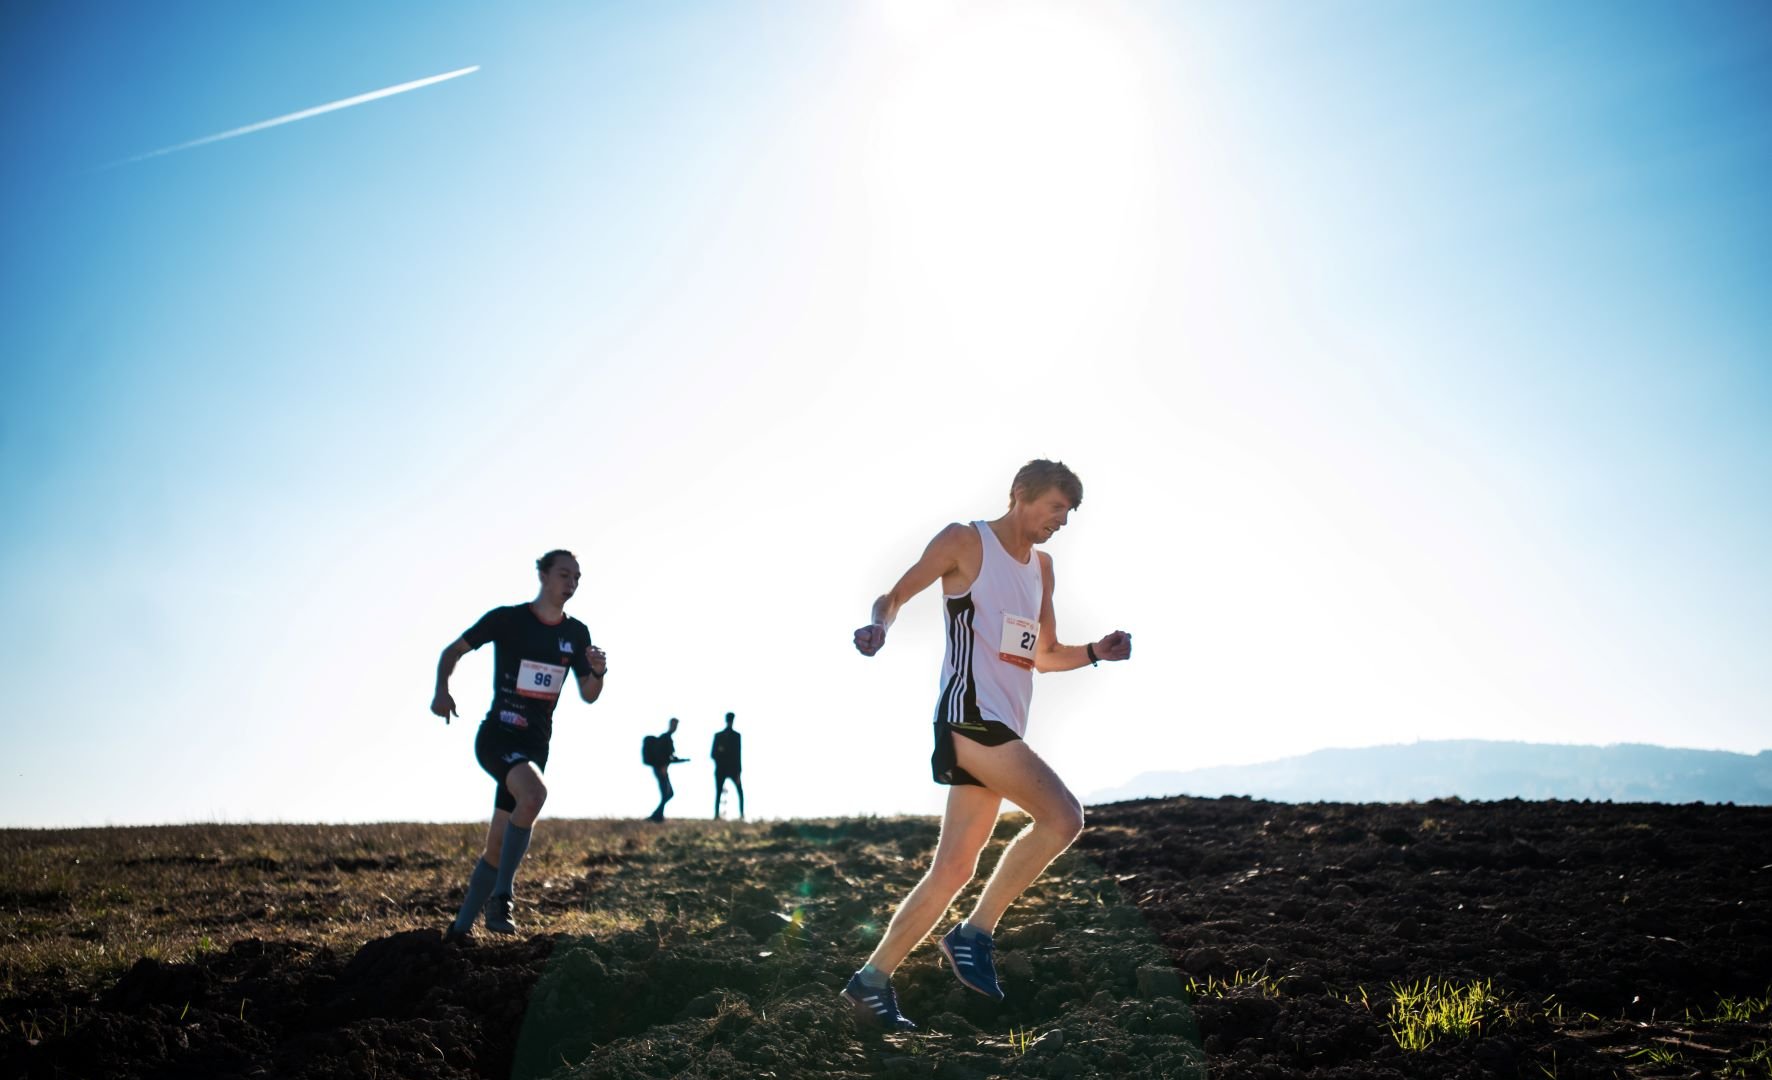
1027 640
542 678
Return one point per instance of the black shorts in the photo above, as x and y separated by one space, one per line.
945 765
499 751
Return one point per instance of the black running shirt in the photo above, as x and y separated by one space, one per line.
726 752
530 662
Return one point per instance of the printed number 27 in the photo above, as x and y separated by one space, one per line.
1027 640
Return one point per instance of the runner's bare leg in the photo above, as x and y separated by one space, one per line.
1013 771
965 829
526 786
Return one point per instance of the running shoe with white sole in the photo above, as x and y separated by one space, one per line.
970 957
876 1006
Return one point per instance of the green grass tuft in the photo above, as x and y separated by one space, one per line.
1422 1013
1658 1055
1744 1010
1239 980
1756 1065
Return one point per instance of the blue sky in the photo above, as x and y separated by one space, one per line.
1414 359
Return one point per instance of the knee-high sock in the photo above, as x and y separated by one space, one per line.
479 888
516 843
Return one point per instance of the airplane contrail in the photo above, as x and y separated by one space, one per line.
344 103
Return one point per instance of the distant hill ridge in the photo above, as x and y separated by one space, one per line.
1477 769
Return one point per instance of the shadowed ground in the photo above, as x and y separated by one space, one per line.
1182 938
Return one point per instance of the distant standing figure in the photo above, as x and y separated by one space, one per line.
661 755
535 645
728 763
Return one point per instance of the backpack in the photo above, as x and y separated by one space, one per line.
649 747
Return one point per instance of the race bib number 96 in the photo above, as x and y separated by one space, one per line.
540 680
1019 636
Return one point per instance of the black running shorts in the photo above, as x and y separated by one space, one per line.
945 765
499 751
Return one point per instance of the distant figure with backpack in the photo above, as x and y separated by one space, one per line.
728 763
660 752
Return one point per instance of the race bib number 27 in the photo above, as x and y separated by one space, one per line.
540 680
1019 636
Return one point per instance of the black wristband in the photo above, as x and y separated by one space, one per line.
599 674
1090 648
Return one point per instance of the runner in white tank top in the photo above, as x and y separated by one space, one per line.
1000 630
992 628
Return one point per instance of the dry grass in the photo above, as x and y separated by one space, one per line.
82 905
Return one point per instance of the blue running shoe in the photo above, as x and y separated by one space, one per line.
876 1007
970 957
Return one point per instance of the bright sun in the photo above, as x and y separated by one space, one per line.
1013 164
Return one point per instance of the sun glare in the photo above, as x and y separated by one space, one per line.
1013 165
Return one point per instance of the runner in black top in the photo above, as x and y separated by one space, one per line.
728 763
535 645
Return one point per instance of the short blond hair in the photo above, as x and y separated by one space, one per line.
1038 475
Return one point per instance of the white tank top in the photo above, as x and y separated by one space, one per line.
987 672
